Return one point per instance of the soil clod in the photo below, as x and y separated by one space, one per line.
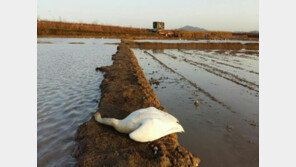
230 128
196 103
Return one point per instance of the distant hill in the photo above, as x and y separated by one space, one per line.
253 32
191 28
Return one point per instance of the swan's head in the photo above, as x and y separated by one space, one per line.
98 117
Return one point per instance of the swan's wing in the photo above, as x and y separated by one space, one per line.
147 131
153 129
164 114
151 113
161 114
170 117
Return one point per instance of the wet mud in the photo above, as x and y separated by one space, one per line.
190 82
220 116
76 43
44 42
205 46
231 77
125 89
232 67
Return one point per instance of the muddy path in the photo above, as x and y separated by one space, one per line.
125 89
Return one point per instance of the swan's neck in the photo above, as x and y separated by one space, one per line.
109 121
116 123
119 125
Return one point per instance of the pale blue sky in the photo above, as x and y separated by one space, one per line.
225 15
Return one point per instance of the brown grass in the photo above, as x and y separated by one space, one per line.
66 29
87 27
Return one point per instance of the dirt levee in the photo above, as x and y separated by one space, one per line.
125 89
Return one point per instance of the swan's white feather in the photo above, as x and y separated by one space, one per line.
144 125
153 129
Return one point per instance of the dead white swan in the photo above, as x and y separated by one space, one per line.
144 125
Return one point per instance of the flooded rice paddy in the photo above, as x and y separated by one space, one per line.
68 93
194 41
224 129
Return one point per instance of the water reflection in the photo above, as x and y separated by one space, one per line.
68 93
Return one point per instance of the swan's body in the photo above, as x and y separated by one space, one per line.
144 125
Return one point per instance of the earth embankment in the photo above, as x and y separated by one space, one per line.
124 90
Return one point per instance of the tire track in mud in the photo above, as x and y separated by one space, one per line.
229 65
190 82
211 57
226 60
238 53
254 72
219 62
231 53
172 56
220 73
